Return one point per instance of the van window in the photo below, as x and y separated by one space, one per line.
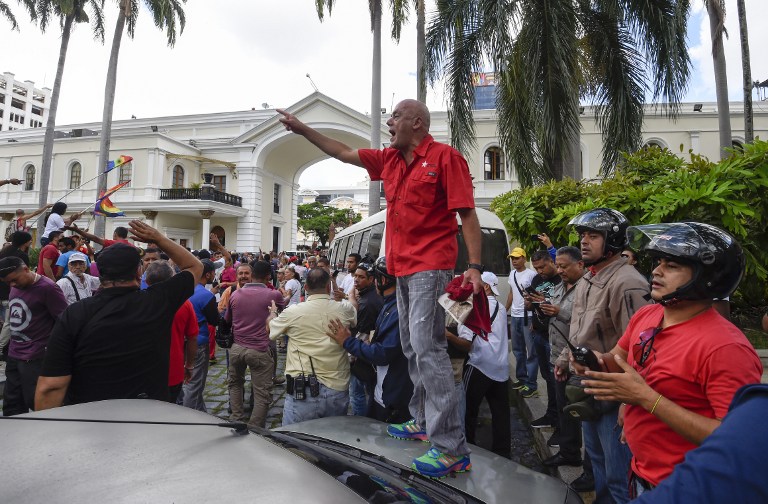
357 238
374 243
494 251
366 235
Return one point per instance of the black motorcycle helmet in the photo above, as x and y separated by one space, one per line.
385 280
716 257
611 223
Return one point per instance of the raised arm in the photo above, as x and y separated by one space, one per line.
13 181
85 234
332 147
38 211
72 218
179 255
218 247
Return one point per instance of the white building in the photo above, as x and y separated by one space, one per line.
255 165
22 105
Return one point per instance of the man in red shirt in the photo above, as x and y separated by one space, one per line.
46 263
120 235
183 333
426 183
682 361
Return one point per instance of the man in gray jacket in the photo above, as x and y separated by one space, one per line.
603 302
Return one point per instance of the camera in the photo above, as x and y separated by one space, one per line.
314 386
299 384
335 273
535 237
585 357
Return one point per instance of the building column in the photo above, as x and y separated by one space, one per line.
150 215
206 238
695 141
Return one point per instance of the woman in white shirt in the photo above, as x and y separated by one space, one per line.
56 221
292 288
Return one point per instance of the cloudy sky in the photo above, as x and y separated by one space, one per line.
235 55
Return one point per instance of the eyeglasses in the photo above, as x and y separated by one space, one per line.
644 348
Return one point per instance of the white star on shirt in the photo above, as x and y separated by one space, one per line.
424 164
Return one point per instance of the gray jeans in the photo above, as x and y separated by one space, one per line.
193 391
434 404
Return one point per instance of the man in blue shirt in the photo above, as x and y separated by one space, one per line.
68 248
207 312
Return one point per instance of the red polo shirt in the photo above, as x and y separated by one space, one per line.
422 200
184 328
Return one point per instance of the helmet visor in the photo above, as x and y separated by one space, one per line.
672 239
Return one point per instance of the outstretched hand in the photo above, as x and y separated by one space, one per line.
290 121
143 232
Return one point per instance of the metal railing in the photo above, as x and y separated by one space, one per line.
202 193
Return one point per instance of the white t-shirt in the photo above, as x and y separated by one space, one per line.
523 279
490 357
295 287
347 283
55 223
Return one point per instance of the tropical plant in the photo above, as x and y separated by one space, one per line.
167 15
654 185
318 220
399 16
546 56
746 73
69 13
6 12
716 12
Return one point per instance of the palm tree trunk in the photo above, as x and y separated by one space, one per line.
373 187
746 73
45 167
716 20
421 75
106 118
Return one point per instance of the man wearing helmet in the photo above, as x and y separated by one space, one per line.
682 361
393 385
603 302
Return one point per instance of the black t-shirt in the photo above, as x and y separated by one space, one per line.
369 305
545 288
116 344
11 251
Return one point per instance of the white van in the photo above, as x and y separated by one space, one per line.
367 239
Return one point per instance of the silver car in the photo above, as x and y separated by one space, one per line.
156 452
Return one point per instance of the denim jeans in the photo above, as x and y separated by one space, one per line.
542 348
610 458
434 404
261 368
526 363
193 391
357 397
328 403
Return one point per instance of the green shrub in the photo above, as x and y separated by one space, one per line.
654 185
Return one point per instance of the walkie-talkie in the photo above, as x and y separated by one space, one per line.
585 357
299 391
314 383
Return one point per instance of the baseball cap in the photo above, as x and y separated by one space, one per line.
118 262
208 266
492 280
517 252
77 256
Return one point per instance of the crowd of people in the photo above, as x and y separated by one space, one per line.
641 373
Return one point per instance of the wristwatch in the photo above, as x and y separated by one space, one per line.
478 267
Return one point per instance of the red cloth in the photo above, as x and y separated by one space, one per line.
422 199
479 320
699 365
184 328
51 252
109 243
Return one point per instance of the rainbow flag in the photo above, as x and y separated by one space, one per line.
118 163
104 205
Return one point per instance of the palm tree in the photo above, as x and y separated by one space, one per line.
716 11
399 16
746 73
68 12
6 12
548 55
166 14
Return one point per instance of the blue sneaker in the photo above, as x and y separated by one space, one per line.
407 430
439 465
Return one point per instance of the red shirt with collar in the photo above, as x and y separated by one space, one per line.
422 200
184 328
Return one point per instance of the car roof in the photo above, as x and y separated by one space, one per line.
71 461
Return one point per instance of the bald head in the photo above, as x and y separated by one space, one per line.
416 109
